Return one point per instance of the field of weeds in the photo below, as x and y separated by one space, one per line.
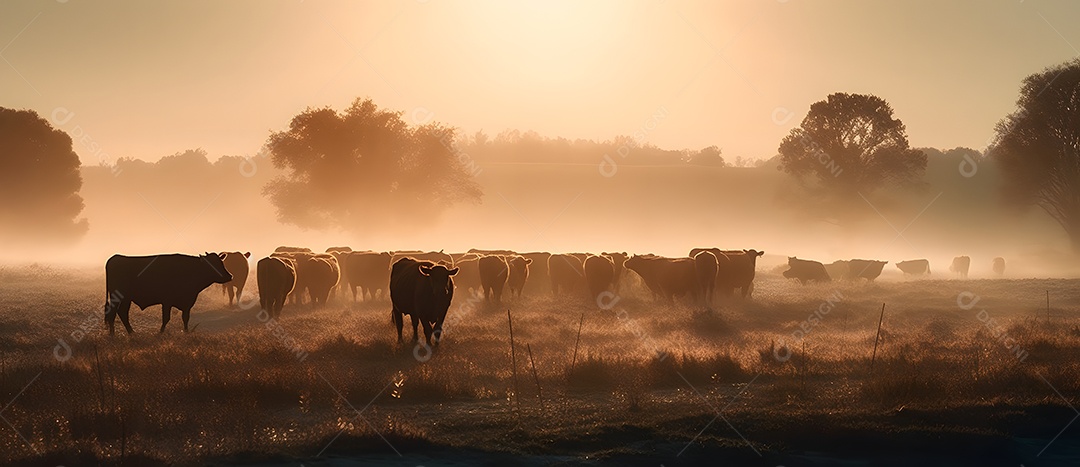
976 372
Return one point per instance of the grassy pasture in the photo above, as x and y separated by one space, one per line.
957 379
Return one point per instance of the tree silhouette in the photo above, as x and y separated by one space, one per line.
348 169
1038 147
39 180
852 145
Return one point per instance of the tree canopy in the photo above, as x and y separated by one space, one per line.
1038 147
354 168
852 144
39 180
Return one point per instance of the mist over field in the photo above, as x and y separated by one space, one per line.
539 232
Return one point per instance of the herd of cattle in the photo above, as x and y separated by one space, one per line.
812 271
422 284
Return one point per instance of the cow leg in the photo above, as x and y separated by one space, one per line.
166 313
415 323
427 332
398 322
437 332
239 291
186 315
124 308
110 316
230 289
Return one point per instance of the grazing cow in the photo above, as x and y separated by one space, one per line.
423 290
519 274
321 274
368 271
806 271
567 274
276 278
736 271
291 249
999 266
599 275
539 278
667 277
915 267
494 273
960 266
619 260
167 280
237 265
705 265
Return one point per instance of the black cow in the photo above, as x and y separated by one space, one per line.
422 290
167 280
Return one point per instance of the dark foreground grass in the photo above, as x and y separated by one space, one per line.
789 375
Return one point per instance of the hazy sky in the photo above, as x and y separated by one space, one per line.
149 78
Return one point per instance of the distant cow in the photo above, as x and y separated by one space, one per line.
491 252
806 271
494 273
855 269
999 265
433 256
468 276
166 280
706 266
619 260
367 271
340 253
667 277
321 274
567 274
519 274
915 267
539 278
960 266
839 270
291 249
276 278
237 265
868 269
423 290
735 269
599 275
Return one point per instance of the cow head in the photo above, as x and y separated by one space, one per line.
442 286
220 274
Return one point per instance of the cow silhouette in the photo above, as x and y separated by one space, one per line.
168 280
237 264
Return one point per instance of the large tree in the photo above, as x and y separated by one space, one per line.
39 180
1038 147
850 145
365 166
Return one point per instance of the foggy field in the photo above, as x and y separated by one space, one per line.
948 383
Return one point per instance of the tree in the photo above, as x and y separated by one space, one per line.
354 168
709 156
1038 147
852 145
39 180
